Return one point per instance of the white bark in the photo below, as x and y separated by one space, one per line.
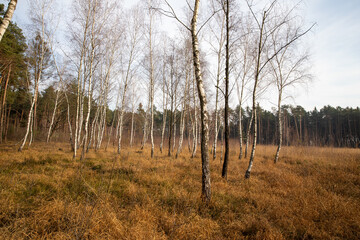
37 78
206 186
194 124
79 82
91 71
151 83
7 17
134 41
132 127
53 115
174 122
165 102
182 117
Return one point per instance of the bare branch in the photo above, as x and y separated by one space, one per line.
207 20
284 46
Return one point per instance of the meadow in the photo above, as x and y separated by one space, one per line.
312 193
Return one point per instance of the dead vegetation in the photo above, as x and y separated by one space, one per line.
312 193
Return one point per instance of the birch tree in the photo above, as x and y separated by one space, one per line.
7 17
243 66
171 87
219 25
132 50
289 68
151 13
185 98
82 14
165 97
267 21
134 96
226 10
95 28
206 185
41 8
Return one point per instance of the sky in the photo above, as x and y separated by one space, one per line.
335 51
334 48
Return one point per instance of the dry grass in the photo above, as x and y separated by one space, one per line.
312 193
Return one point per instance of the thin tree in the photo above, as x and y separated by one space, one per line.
134 37
244 62
151 73
269 22
289 68
226 10
220 40
84 11
165 100
206 185
184 98
42 8
93 44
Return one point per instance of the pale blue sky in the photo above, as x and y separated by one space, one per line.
335 50
335 54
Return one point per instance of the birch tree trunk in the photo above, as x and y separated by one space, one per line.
226 116
145 136
30 117
165 99
182 126
151 86
240 132
114 118
37 76
69 122
171 123
182 117
194 124
174 123
240 91
53 115
219 53
31 128
257 72
188 133
132 126
91 69
89 106
126 83
206 185
248 134
79 83
7 17
134 37
279 129
93 125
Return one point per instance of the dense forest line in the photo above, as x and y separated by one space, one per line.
329 126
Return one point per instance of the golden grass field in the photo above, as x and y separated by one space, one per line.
312 193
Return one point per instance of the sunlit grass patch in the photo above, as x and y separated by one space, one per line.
310 193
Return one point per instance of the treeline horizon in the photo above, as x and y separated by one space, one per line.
328 126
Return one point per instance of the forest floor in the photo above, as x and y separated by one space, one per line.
312 193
